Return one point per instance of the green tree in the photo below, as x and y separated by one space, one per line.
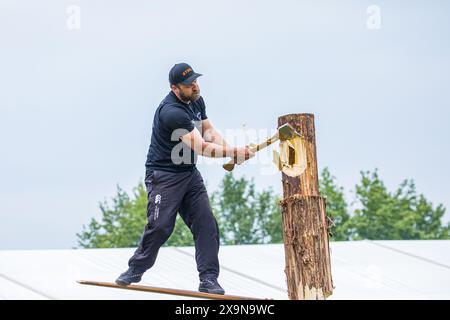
244 215
121 223
402 214
268 212
337 207
249 217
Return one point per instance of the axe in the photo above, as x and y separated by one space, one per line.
284 132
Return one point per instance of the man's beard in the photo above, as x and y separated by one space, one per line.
192 98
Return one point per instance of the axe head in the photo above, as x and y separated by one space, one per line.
287 132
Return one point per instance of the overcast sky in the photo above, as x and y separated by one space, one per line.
78 93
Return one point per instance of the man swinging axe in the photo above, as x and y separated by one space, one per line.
181 131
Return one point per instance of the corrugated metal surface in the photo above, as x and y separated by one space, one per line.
361 270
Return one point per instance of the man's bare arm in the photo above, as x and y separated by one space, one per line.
195 141
210 134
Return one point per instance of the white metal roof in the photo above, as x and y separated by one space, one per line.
361 270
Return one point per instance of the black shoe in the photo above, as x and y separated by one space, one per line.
129 276
210 285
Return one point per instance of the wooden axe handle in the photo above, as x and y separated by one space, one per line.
266 143
229 166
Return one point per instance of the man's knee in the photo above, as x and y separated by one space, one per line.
161 231
206 225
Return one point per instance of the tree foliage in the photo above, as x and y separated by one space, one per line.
121 222
246 216
337 208
402 214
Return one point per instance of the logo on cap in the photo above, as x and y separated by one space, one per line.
185 72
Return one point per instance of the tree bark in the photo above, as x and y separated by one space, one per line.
305 223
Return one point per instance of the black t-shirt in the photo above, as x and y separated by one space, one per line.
174 118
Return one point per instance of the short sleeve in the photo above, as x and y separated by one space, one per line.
202 109
177 121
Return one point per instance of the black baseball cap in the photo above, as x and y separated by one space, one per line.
182 73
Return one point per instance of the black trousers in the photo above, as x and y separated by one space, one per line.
183 192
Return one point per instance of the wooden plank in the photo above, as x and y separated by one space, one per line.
178 292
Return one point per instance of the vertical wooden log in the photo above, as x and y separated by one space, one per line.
305 224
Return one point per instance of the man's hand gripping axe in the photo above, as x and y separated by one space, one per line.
284 132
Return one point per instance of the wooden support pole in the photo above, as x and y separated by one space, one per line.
305 224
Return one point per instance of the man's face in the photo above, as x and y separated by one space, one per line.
189 92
